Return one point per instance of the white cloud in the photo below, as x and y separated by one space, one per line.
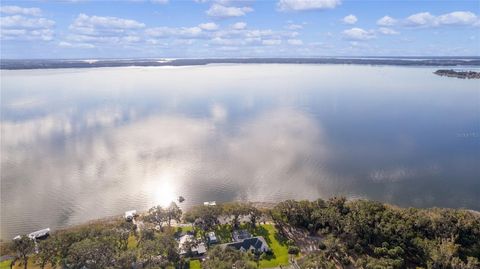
19 27
358 34
182 32
387 31
271 42
219 11
159 1
16 10
295 42
18 21
386 21
293 26
98 29
350 19
258 33
88 24
300 5
239 26
425 19
208 26
26 34
65 44
458 18
421 19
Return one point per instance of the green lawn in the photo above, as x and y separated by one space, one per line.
5 264
195 264
132 242
187 228
276 243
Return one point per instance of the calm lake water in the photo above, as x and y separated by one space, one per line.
83 144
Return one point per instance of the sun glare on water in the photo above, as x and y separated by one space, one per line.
162 190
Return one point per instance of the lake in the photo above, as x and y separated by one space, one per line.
81 144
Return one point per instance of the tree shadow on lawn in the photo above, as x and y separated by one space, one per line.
281 239
268 257
262 231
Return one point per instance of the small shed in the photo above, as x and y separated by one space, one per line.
212 238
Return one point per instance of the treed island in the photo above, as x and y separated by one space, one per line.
458 74
333 233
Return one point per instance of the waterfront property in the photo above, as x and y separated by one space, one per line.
255 245
187 241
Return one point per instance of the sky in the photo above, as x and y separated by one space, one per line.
227 28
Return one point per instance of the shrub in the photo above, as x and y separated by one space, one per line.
293 250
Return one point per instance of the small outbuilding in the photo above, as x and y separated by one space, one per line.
212 238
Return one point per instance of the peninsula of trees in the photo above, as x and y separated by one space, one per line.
458 74
333 233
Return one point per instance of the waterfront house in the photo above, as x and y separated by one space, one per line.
255 245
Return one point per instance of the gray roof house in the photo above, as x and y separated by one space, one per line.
255 244
240 235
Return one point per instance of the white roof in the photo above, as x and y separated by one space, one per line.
212 236
200 249
209 203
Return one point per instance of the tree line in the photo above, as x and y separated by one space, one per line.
369 234
356 233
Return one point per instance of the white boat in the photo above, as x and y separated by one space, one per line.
39 234
210 203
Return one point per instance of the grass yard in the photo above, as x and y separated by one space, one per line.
186 229
5 264
276 243
132 242
31 265
195 264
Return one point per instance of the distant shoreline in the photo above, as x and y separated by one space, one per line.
14 64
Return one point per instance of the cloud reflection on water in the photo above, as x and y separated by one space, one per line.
107 140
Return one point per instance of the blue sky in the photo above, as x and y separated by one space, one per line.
226 28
